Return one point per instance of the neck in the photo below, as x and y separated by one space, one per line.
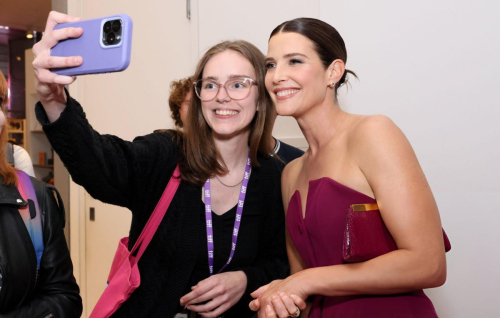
234 151
321 124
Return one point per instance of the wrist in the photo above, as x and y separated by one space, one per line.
305 278
54 105
242 277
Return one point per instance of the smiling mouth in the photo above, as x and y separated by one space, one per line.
225 112
287 92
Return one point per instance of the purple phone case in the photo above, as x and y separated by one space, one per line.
97 58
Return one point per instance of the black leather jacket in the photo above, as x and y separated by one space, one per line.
54 293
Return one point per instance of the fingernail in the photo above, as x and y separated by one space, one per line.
268 308
77 60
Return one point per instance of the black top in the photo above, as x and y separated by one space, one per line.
287 152
134 175
247 247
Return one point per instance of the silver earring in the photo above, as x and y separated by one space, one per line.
332 85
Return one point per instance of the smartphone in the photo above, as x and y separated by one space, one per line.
105 45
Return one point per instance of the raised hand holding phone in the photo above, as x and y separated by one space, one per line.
105 45
50 85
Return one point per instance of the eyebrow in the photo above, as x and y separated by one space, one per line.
215 78
289 55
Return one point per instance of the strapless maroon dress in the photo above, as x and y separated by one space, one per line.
318 238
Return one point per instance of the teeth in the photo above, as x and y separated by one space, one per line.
224 112
287 92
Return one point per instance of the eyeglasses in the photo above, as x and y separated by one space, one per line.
237 88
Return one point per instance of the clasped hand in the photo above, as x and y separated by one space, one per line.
221 291
280 298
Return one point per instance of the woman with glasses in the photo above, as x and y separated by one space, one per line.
352 160
197 263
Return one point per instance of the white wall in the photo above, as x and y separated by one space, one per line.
433 67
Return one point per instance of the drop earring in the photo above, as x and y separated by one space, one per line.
331 85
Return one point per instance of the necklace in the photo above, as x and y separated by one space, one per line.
229 186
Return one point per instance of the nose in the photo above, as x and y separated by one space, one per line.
222 96
279 75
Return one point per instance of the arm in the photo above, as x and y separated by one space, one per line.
57 292
108 167
409 210
407 206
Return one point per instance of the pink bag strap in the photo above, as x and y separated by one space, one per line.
157 215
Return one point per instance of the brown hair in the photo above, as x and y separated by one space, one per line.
6 170
178 91
326 39
201 159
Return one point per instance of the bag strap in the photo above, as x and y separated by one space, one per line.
31 214
158 213
10 154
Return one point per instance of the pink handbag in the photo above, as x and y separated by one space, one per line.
124 276
366 236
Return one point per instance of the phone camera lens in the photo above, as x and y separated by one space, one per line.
107 27
110 38
116 25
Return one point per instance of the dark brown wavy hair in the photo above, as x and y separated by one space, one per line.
178 91
6 170
200 158
326 39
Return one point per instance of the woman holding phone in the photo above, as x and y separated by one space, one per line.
352 159
225 149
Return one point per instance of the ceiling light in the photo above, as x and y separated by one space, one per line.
29 35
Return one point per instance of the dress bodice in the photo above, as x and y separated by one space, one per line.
318 237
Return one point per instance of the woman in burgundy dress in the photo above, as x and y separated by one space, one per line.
352 159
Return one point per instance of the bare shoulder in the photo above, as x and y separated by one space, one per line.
372 126
375 133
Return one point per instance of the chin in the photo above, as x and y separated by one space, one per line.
285 111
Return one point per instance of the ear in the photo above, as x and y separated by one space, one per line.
335 71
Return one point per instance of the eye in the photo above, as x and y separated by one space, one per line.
238 83
209 85
270 65
295 61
